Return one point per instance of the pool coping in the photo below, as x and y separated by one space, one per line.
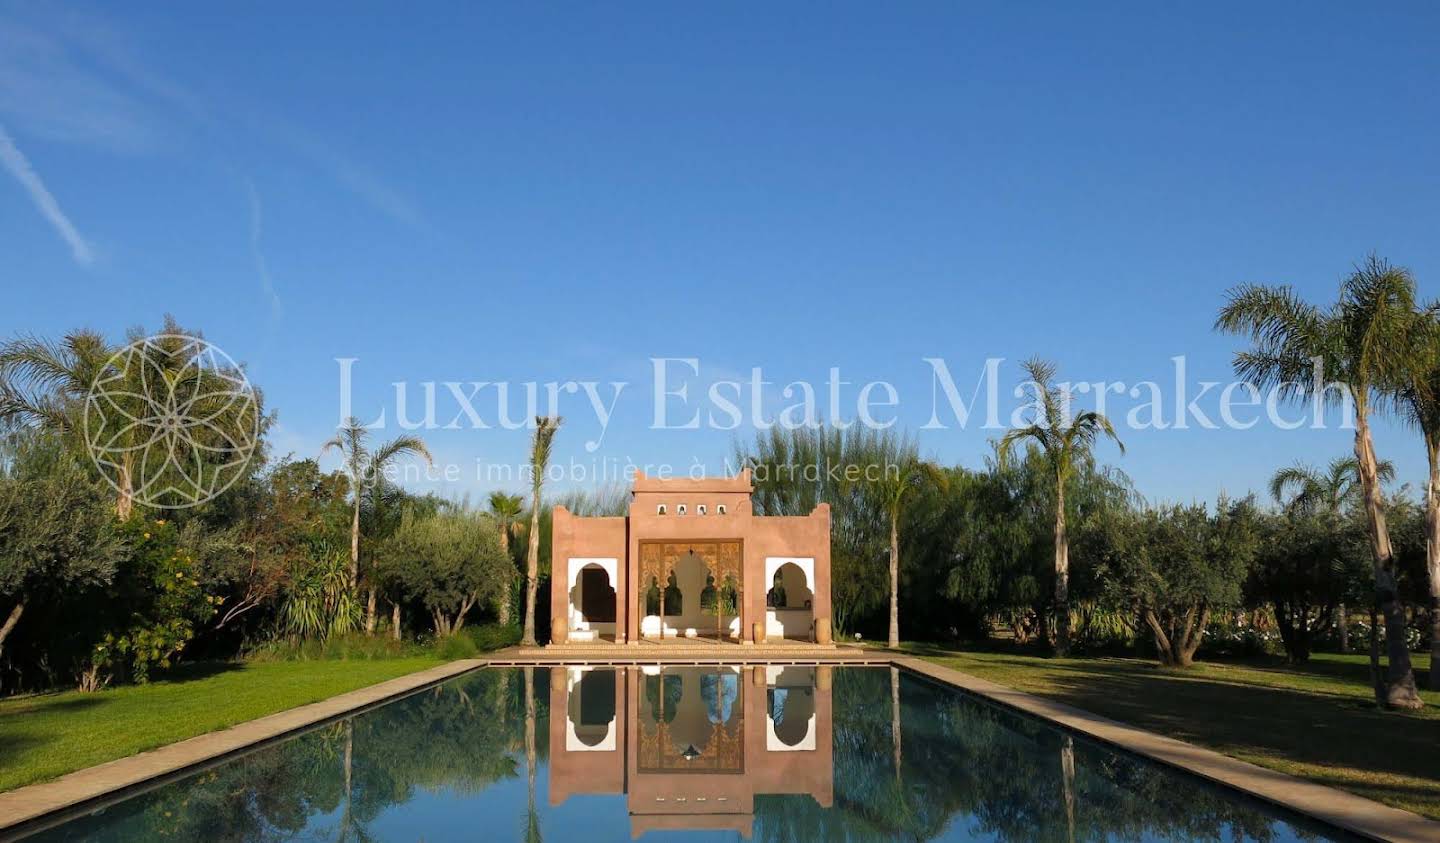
23 810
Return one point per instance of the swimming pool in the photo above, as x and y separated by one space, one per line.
769 753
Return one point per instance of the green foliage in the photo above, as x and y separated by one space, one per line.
319 601
448 563
1177 565
796 470
163 602
57 531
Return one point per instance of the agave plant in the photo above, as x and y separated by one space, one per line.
320 603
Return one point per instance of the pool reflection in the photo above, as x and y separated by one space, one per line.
692 747
773 753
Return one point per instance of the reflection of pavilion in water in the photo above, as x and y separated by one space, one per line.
691 747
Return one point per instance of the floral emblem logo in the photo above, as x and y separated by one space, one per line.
171 421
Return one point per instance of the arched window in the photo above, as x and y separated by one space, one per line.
700 510
660 510
680 510
720 509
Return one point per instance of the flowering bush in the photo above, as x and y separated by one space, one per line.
164 600
1237 638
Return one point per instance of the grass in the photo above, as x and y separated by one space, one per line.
45 736
1317 721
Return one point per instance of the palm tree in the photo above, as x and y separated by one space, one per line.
1301 488
545 427
1365 341
1419 396
896 483
507 510
48 384
1063 441
364 468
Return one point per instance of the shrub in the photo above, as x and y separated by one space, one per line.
351 646
493 636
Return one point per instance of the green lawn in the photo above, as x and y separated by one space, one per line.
1316 722
46 736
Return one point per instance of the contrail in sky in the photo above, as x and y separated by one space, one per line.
19 167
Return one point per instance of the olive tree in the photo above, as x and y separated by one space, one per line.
448 562
1179 564
58 534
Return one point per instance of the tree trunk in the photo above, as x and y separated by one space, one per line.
1432 552
1344 618
464 610
894 640
502 611
1400 690
1194 635
10 622
1376 677
395 621
355 543
532 569
125 503
370 611
1062 573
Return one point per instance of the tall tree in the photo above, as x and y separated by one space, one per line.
1063 440
545 427
1366 342
1419 395
896 483
1304 490
365 467
506 510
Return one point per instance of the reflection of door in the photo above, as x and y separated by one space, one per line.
597 596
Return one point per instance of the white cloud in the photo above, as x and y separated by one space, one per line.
19 166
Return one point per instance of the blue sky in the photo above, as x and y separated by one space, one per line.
545 192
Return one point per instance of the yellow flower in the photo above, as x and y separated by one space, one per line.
147 535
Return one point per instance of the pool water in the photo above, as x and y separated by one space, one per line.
773 753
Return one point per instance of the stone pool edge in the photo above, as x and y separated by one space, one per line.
1339 808
23 806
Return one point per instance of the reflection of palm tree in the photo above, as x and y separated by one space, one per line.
895 719
1067 782
532 819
